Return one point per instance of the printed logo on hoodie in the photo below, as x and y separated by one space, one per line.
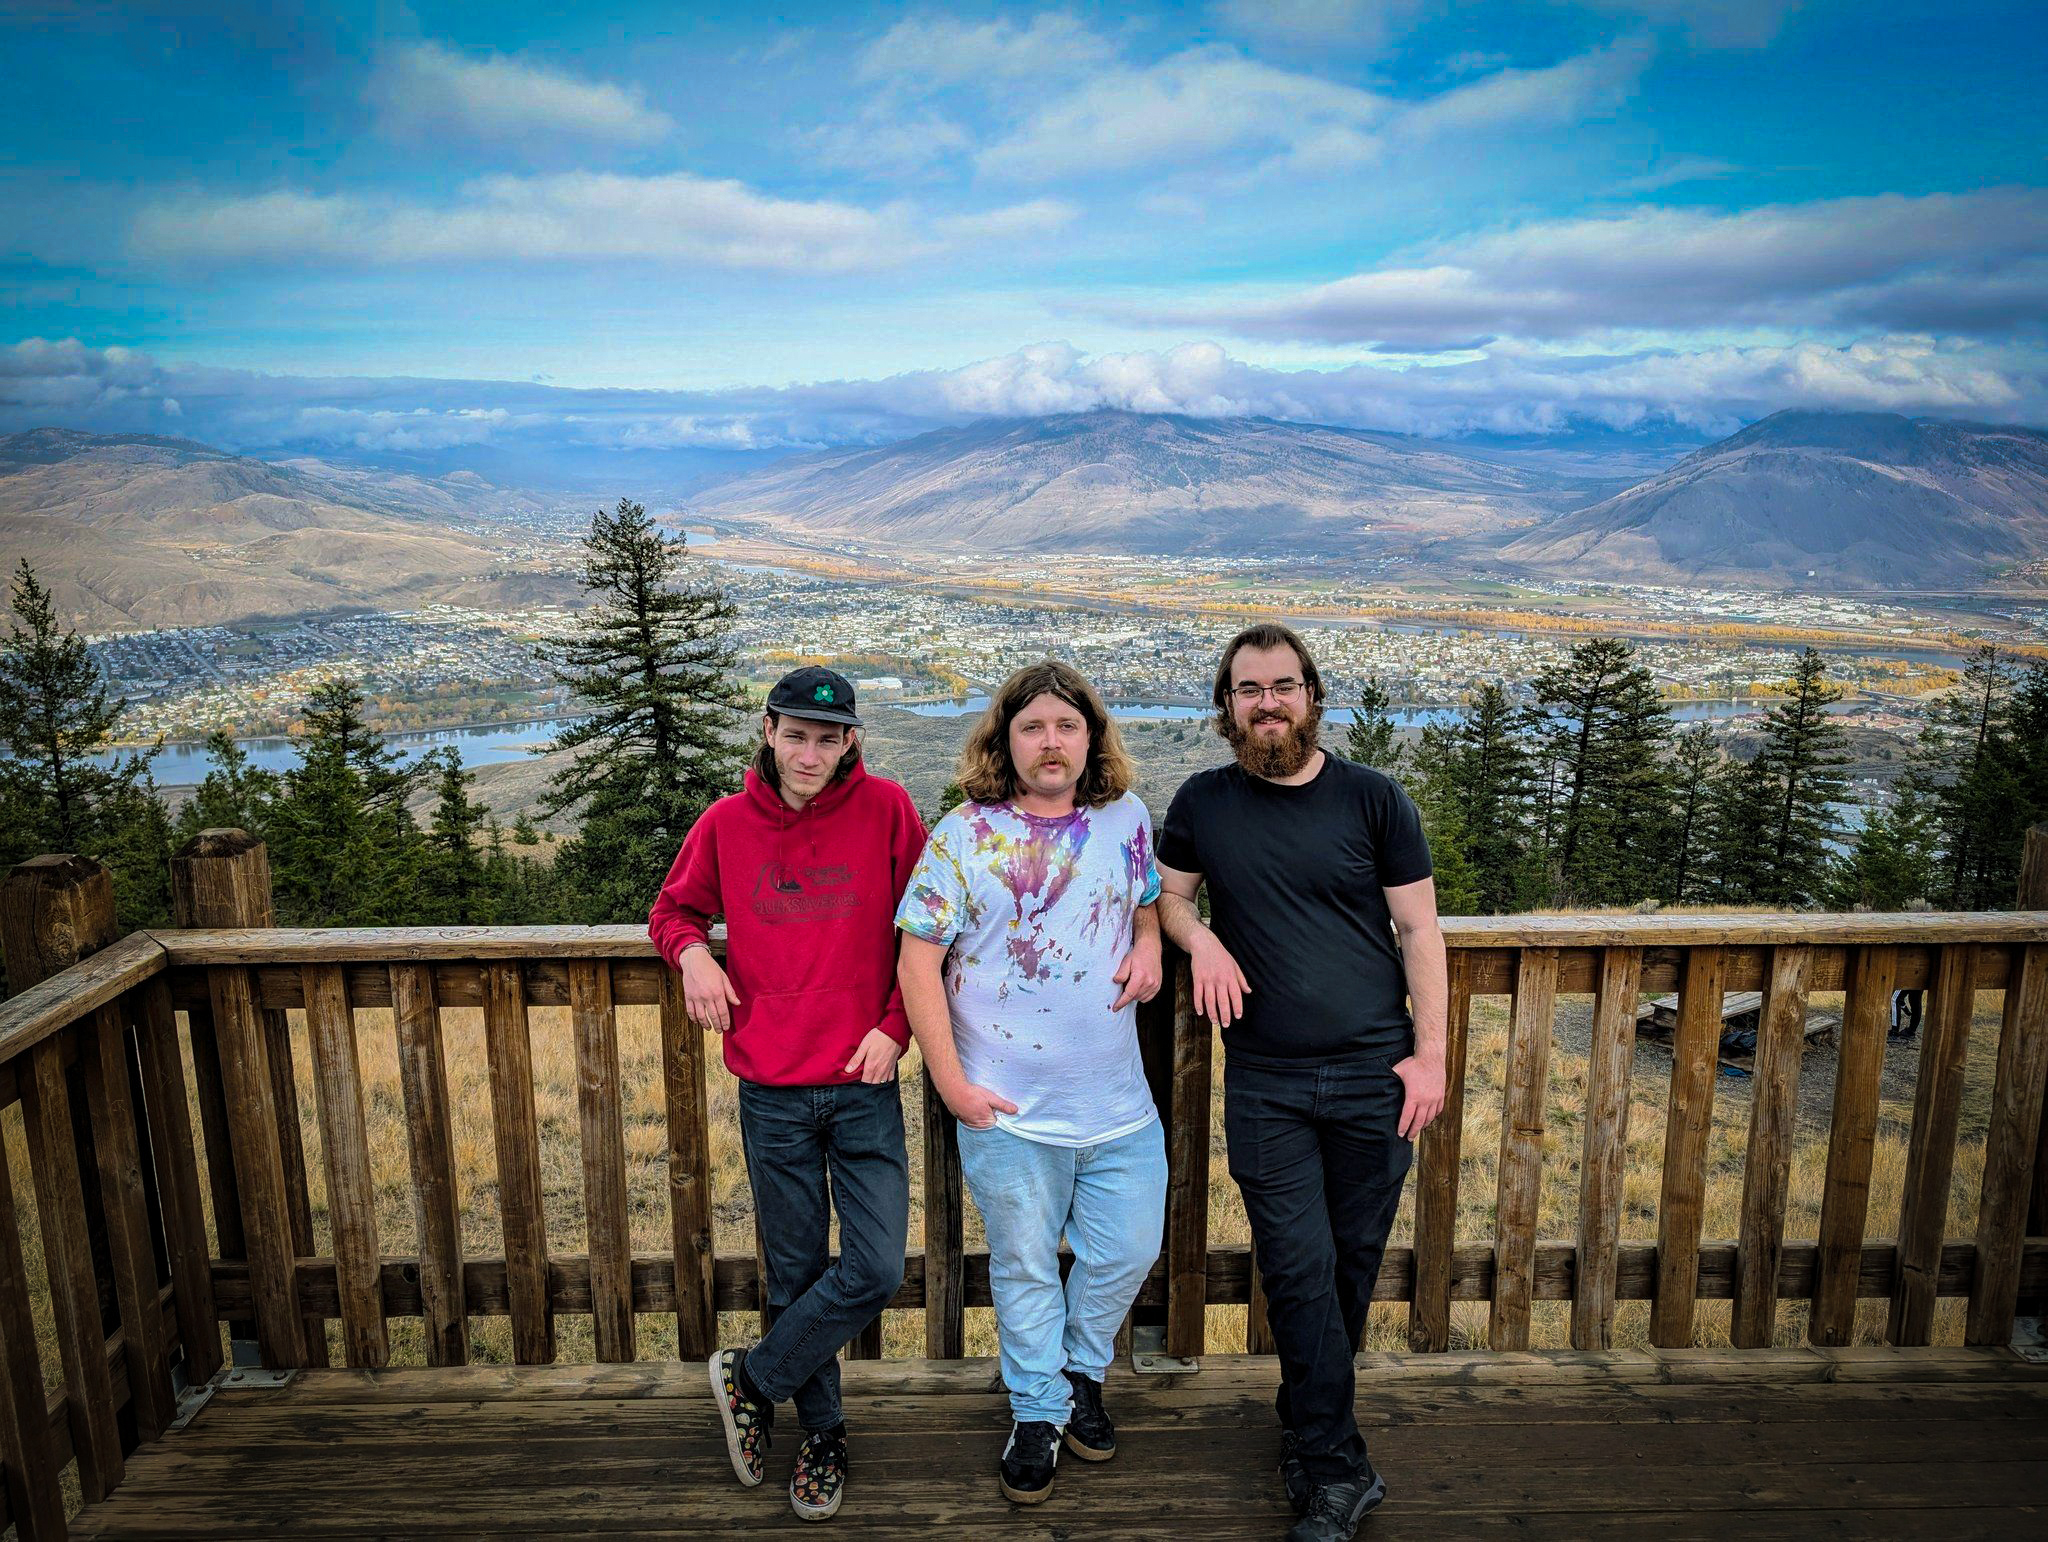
788 891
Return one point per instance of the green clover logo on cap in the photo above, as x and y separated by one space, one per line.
822 693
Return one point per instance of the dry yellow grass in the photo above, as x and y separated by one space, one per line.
554 1069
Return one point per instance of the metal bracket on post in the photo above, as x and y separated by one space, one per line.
1149 1356
186 1398
2030 1339
245 1352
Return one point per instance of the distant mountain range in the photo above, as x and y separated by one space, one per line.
133 531
138 531
1848 498
1150 482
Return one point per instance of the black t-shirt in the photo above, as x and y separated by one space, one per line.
1297 882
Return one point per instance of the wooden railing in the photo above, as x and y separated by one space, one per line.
138 1284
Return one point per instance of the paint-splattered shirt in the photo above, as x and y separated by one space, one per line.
1037 913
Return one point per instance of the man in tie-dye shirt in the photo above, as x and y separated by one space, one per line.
1029 937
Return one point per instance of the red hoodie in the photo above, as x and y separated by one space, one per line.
809 899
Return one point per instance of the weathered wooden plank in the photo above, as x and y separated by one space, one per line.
430 1151
345 1141
67 1263
209 1089
1187 1195
1852 1135
1773 1117
1689 1116
1609 1060
56 1001
509 1044
252 1120
35 1495
1437 1156
1258 1324
738 1279
866 1344
1930 1155
689 1180
291 1149
1742 929
177 1180
595 1026
2009 1147
109 1095
945 1215
1521 1147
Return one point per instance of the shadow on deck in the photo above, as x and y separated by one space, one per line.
1803 1442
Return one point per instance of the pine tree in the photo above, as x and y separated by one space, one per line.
1604 733
524 831
1473 780
454 887
1370 738
654 660
1695 763
233 795
1800 764
1892 866
57 721
344 849
1965 767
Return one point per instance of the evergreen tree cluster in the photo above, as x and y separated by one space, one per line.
1592 796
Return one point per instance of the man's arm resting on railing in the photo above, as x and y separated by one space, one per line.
1219 985
1413 907
920 971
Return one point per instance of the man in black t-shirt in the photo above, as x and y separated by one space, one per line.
1314 865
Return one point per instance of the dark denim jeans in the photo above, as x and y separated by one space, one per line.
797 1137
1315 1151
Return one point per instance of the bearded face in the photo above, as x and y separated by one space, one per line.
1273 717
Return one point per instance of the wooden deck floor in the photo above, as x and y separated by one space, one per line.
1865 1443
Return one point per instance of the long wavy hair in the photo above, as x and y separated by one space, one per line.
764 756
986 774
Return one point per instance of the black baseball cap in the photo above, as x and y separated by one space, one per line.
815 692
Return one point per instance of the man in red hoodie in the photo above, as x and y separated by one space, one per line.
806 864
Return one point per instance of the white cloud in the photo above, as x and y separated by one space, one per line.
426 92
1967 262
929 53
1014 222
1363 26
1677 172
1196 106
881 142
1709 23
589 216
1569 92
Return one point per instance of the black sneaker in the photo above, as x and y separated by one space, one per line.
1090 1435
1293 1476
819 1481
749 1425
1028 1460
1335 1509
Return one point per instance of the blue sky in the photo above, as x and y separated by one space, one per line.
396 227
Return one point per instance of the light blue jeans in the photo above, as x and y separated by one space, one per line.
1110 1203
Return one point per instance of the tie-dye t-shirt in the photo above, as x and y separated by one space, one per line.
1038 915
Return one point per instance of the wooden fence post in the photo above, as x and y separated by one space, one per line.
55 910
2033 895
221 878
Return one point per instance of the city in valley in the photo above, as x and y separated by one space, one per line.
938 629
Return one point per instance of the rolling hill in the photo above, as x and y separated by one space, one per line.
136 531
1848 498
1147 482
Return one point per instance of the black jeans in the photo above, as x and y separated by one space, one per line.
795 1137
1316 1152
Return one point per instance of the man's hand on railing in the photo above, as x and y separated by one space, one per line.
875 1060
708 995
1219 985
1423 1082
976 1107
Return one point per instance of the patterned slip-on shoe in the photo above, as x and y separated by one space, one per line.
749 1426
819 1482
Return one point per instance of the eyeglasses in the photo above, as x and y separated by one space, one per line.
1281 690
